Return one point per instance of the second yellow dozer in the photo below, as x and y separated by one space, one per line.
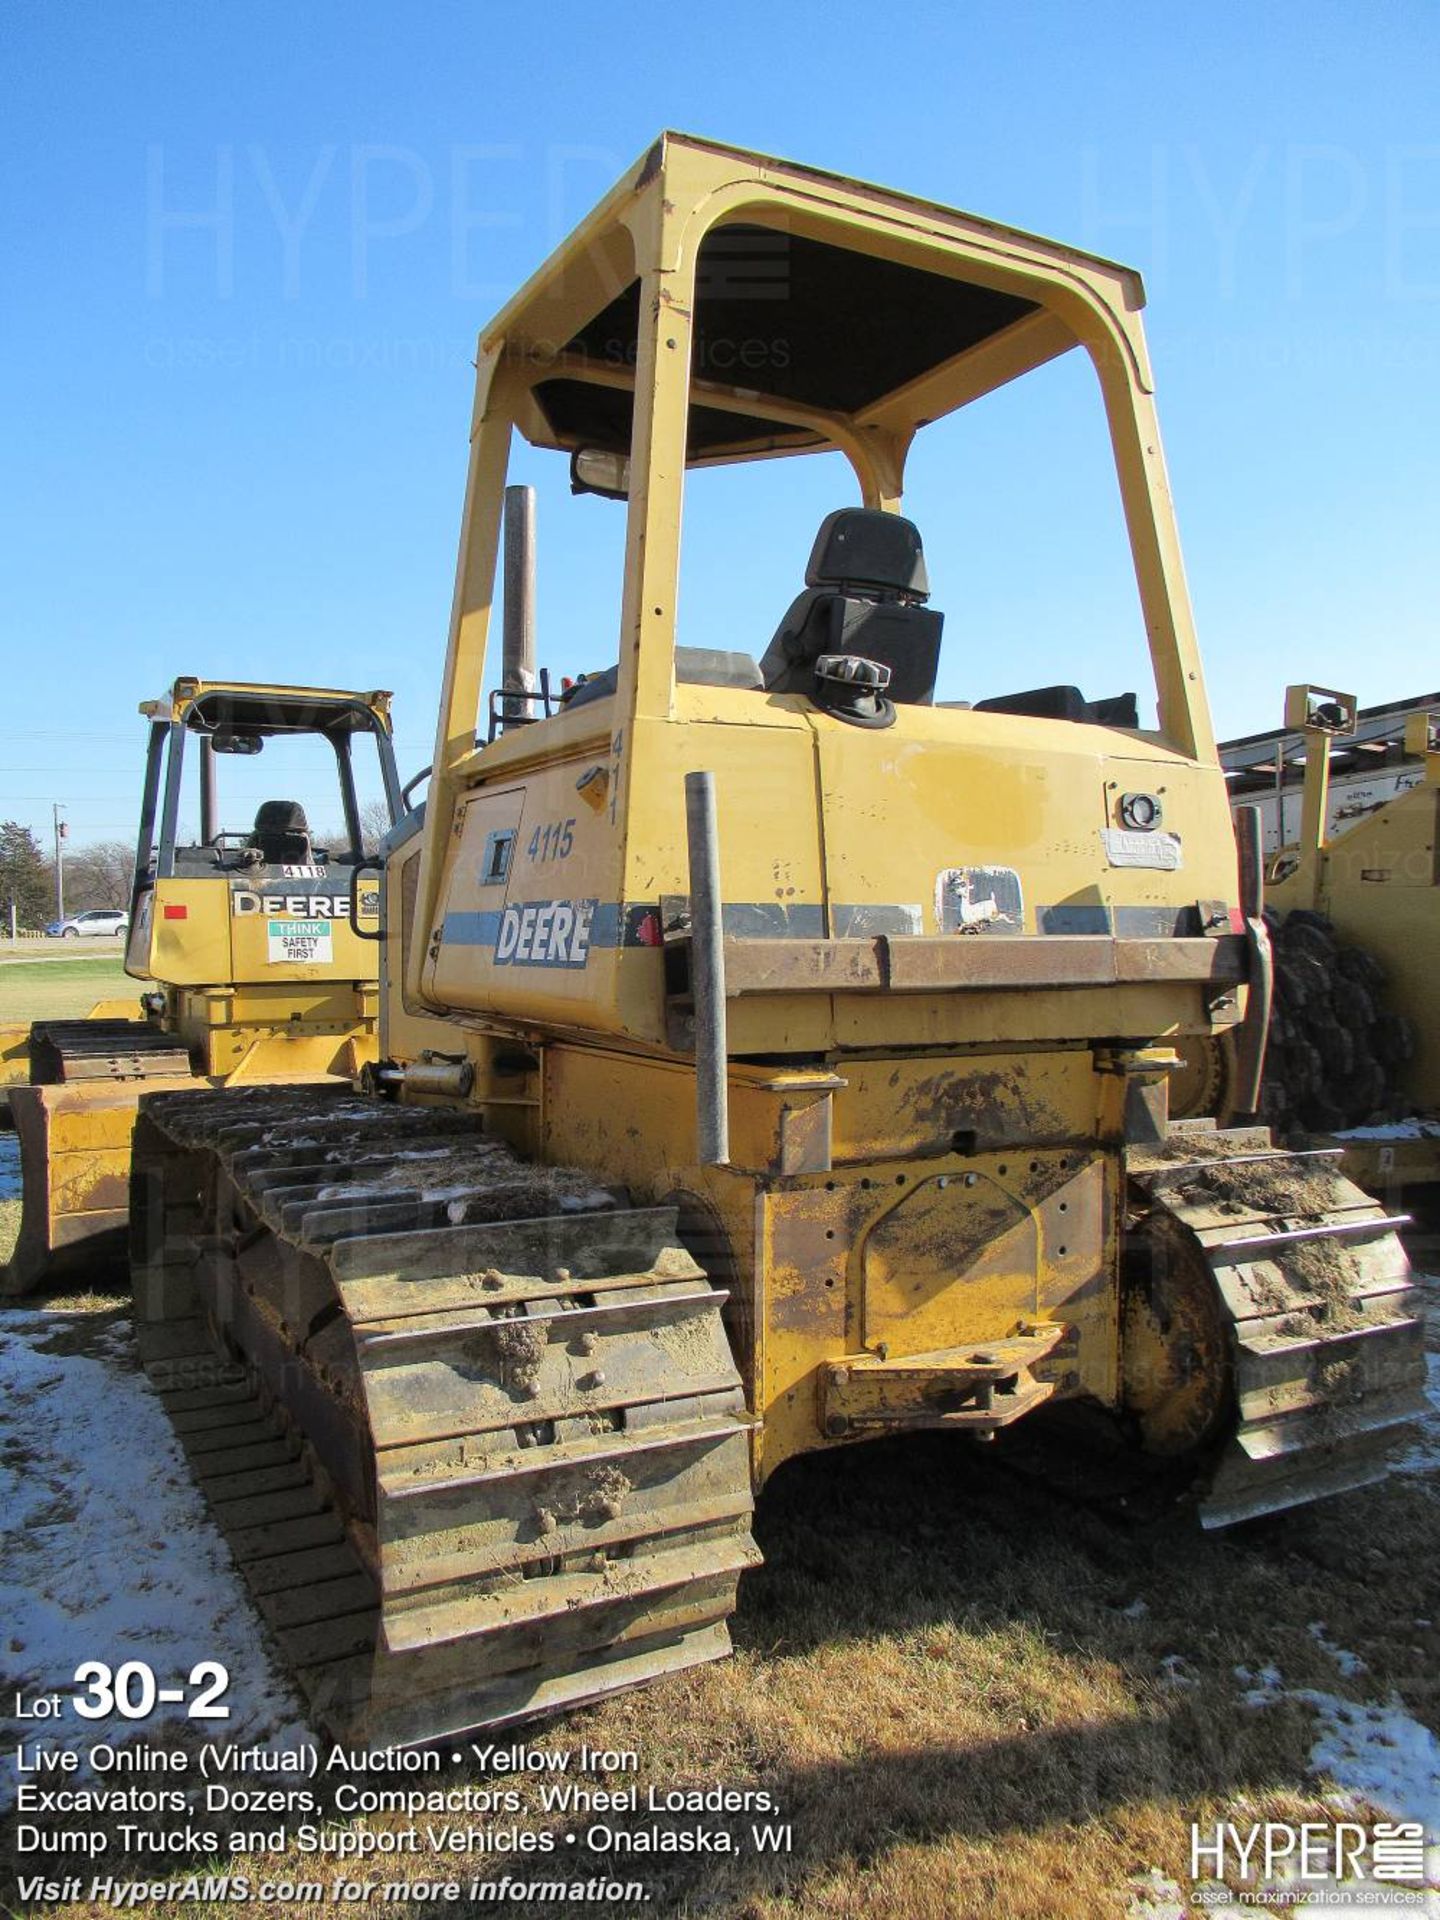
1374 883
1353 892
255 967
809 1033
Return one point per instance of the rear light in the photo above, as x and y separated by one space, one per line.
177 913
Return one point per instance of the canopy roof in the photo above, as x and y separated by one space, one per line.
208 706
822 308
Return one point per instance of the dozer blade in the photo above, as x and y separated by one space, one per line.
1326 1344
74 1124
106 1045
485 1454
75 1179
104 1049
14 1058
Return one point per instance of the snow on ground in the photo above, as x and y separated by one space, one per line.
1350 1664
1378 1755
109 1551
1154 1896
1393 1130
9 1167
1375 1753
1372 1752
1424 1456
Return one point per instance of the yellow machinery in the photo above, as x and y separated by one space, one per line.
1353 1059
1375 881
15 1046
14 1057
809 1037
257 969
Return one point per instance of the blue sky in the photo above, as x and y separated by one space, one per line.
238 447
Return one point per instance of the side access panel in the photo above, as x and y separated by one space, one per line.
528 920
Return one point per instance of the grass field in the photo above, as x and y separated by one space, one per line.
61 989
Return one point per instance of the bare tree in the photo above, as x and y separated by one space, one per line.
374 824
99 875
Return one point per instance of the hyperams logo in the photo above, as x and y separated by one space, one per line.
545 933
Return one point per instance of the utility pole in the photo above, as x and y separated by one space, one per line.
60 832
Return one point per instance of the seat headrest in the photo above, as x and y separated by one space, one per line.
863 547
280 816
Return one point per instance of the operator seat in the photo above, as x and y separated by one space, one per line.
865 593
282 834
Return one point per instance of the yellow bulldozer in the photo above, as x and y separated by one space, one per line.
809 1033
1348 812
1372 884
257 967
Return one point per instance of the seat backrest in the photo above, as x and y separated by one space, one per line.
865 549
282 833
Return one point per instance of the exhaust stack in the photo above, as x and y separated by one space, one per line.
518 652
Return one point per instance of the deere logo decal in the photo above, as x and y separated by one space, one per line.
305 906
545 933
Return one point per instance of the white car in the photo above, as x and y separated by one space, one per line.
98 923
